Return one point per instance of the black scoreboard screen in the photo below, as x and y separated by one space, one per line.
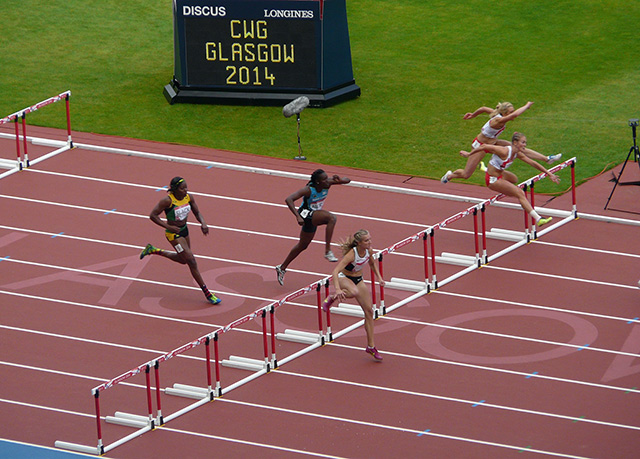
239 44
259 49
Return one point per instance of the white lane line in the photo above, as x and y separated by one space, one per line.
395 428
533 306
458 400
556 276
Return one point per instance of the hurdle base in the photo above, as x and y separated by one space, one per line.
243 363
506 235
456 259
185 391
408 285
128 420
297 336
80 448
347 309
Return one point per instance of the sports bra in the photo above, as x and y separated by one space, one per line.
359 261
501 164
490 132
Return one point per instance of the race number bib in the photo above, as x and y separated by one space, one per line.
182 212
304 213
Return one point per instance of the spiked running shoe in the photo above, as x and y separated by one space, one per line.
544 221
553 158
281 272
374 352
326 304
445 177
483 168
213 299
148 250
330 256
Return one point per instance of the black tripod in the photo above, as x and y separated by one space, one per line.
636 157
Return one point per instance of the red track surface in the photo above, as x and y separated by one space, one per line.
535 352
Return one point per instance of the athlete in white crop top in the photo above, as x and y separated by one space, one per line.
500 116
498 179
347 280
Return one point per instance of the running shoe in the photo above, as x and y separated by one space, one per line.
544 221
326 304
330 256
445 177
553 158
213 299
149 249
281 272
483 168
374 352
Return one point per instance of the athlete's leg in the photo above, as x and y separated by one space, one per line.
364 300
303 243
324 217
510 189
469 168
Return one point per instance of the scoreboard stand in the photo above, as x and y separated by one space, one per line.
261 52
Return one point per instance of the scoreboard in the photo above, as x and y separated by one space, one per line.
261 52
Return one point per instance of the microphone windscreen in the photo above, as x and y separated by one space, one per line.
295 106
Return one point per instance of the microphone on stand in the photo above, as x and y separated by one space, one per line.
294 108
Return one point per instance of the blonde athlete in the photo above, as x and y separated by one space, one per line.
347 280
497 178
500 116
177 205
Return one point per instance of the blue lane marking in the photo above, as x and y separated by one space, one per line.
477 404
4 258
532 374
59 234
581 348
163 188
635 319
422 433
209 167
109 211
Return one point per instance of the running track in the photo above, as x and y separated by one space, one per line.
533 354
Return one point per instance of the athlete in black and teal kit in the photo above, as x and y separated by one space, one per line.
310 215
176 206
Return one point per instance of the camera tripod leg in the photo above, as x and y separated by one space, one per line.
634 150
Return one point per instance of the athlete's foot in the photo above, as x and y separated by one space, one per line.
374 352
445 177
149 249
553 158
211 298
544 221
281 272
330 256
326 304
483 168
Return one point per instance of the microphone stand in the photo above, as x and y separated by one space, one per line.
300 155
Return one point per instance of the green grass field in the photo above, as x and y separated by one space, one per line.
421 65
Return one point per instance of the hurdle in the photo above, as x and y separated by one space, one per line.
480 258
19 119
208 392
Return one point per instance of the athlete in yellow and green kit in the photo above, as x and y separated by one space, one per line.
177 206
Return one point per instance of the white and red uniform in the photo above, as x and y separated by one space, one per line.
488 132
500 164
